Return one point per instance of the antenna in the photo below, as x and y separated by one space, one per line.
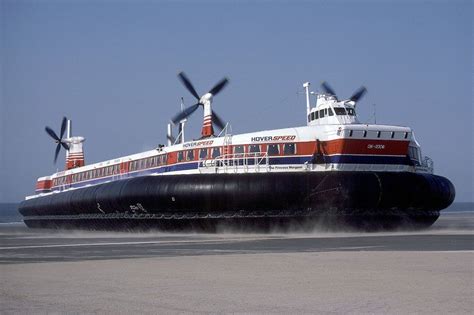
308 106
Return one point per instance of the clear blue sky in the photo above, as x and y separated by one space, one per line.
111 67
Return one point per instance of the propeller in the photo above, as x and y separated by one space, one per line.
59 140
328 89
217 120
191 109
171 139
356 96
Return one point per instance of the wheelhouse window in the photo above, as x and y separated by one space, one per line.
321 113
216 152
350 111
180 156
330 112
309 117
273 149
238 149
289 149
378 134
365 133
350 133
313 116
254 148
203 154
340 111
190 155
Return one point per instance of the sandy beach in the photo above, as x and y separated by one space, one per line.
327 282
424 272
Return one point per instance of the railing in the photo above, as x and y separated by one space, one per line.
236 163
426 165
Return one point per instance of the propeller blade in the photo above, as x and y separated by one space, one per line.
65 145
358 94
51 133
185 113
172 139
219 86
58 147
327 88
217 121
63 127
188 85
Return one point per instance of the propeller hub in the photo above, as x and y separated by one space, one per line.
206 98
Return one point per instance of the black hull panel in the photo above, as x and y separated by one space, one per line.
363 200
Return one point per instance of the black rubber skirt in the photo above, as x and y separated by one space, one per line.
360 200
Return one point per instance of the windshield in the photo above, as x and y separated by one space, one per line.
340 111
344 111
351 111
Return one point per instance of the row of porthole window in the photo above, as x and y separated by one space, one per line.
148 162
379 133
91 174
188 155
205 153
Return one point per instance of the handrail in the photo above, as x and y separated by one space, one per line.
237 161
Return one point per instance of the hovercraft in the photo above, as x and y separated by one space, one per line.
335 172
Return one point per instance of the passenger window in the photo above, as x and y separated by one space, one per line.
393 135
238 149
180 156
203 154
406 135
190 155
365 133
273 149
350 133
330 112
216 152
254 148
378 134
289 149
321 113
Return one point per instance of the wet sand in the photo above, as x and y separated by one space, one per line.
91 272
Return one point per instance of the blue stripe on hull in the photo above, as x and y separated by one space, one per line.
288 160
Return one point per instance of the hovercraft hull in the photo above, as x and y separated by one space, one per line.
332 200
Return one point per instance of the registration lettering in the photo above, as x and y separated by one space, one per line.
376 146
